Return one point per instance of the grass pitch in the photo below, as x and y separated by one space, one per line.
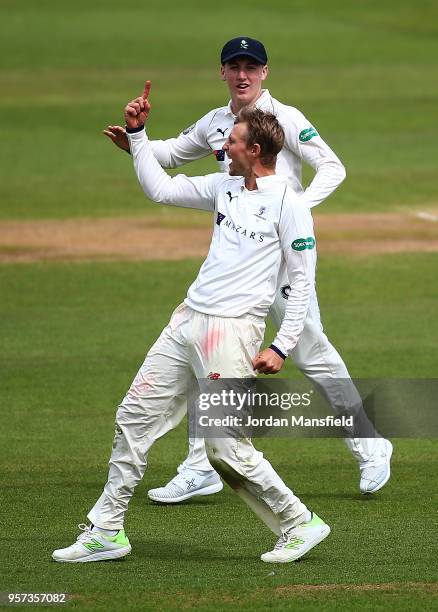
362 73
74 336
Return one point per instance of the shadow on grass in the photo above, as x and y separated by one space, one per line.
346 496
163 551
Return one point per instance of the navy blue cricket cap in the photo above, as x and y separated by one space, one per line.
244 46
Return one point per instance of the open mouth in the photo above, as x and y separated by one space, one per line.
242 86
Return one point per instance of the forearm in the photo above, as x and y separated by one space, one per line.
154 181
189 146
299 257
167 152
296 311
328 177
162 153
157 184
303 139
175 152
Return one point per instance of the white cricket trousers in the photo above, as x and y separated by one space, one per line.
189 348
317 359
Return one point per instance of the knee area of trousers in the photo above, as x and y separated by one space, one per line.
216 450
126 417
210 449
121 414
228 470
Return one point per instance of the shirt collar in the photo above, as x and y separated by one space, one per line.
267 182
262 102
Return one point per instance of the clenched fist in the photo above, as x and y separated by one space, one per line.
268 362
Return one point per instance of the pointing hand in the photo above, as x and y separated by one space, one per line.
137 111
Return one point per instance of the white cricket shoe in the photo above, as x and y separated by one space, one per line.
298 541
187 483
91 545
374 474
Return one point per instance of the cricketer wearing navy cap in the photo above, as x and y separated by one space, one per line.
244 46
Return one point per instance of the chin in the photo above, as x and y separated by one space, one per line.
233 170
245 96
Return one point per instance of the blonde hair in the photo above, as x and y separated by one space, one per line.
264 130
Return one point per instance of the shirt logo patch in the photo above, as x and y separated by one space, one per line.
285 291
220 155
191 484
261 213
230 196
307 134
222 131
220 218
189 129
301 244
242 231
93 545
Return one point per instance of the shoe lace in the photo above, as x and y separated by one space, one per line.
86 532
281 542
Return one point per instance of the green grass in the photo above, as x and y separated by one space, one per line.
73 338
73 335
363 73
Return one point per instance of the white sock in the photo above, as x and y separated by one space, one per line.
308 517
106 532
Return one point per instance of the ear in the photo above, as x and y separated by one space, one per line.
256 150
223 73
265 72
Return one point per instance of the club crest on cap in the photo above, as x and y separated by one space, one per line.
249 47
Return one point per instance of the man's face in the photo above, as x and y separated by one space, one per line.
237 150
244 77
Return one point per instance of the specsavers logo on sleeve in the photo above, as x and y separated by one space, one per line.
301 244
307 134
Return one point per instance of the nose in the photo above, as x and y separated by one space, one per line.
241 75
225 146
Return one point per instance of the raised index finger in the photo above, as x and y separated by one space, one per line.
147 89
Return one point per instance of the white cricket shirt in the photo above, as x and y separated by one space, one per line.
255 234
302 142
